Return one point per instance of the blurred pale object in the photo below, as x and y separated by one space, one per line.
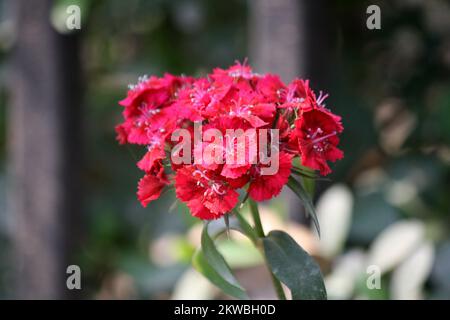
405 189
334 211
256 281
341 282
409 277
119 286
270 219
370 180
395 244
193 286
239 252
304 237
444 152
162 250
194 234
394 123
401 192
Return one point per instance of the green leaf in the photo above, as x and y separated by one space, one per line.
300 191
226 219
222 271
309 175
256 218
294 267
309 185
201 265
302 173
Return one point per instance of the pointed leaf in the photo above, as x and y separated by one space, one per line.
309 184
300 191
201 265
218 264
294 267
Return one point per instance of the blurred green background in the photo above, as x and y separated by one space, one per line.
386 204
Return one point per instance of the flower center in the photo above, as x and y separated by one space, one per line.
210 185
318 140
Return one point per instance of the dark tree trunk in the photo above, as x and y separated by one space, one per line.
44 145
276 37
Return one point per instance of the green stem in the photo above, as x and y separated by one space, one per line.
260 232
256 218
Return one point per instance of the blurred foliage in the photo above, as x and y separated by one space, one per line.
391 86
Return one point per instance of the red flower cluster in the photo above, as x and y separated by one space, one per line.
235 98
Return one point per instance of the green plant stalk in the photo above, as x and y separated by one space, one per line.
260 232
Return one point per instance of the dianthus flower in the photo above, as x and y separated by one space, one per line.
226 101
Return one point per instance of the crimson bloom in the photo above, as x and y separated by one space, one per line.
264 187
317 132
227 99
152 184
207 195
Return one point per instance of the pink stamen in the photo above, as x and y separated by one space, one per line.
201 174
318 131
323 138
321 98
216 188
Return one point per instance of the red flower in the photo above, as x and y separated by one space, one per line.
249 108
122 134
152 157
149 189
233 98
299 95
152 184
317 132
152 92
271 88
264 187
236 146
205 193
237 71
145 105
193 100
